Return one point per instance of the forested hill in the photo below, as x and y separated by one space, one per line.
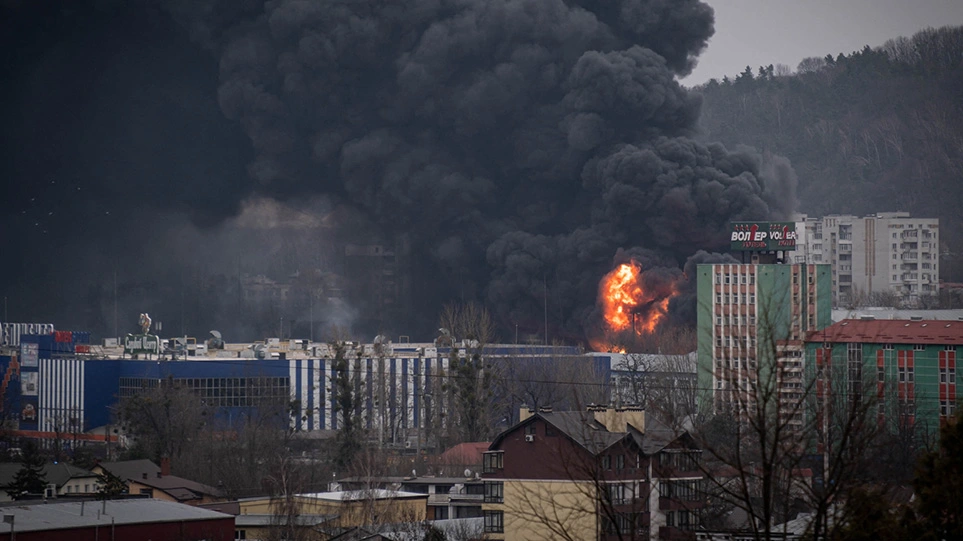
876 130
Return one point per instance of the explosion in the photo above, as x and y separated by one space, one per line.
628 302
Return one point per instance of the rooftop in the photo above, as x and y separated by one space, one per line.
56 516
892 331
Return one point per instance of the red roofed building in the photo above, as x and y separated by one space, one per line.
464 456
912 362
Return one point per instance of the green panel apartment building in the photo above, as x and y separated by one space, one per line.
753 317
910 365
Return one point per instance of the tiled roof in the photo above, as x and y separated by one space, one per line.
177 487
464 453
582 427
891 331
57 474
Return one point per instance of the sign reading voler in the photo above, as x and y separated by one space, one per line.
762 236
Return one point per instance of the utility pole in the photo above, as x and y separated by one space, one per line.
115 302
545 289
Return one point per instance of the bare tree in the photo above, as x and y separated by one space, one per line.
769 417
165 421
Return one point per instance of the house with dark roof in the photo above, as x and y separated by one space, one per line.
62 480
604 473
148 479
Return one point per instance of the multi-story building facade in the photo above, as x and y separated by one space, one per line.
888 252
908 366
752 320
606 473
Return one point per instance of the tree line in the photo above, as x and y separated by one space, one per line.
879 129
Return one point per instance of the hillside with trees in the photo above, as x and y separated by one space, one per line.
875 130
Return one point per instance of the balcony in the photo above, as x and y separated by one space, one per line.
675 534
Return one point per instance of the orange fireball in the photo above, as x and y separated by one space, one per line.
626 304
620 294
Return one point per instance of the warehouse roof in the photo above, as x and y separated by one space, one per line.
57 516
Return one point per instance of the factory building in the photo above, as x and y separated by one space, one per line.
53 384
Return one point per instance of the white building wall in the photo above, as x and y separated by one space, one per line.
60 393
888 252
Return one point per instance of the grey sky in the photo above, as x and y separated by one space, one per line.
763 32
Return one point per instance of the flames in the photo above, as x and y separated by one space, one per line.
629 302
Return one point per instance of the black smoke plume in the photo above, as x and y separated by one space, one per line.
511 146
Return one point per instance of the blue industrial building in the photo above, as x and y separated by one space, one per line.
57 382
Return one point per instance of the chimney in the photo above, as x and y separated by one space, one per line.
617 419
165 467
524 412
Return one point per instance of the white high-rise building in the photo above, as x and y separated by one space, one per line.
888 252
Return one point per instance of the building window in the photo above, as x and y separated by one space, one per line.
493 461
919 347
888 347
530 429
240 534
606 462
949 348
617 494
620 462
494 492
494 521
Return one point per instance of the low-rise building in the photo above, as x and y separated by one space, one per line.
62 480
145 478
349 508
120 520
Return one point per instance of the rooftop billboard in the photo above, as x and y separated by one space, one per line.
762 236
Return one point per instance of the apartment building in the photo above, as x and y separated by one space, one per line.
908 366
752 321
605 473
888 252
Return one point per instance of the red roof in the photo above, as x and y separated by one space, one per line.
892 331
465 453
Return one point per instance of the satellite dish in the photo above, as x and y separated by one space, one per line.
216 334
414 473
467 472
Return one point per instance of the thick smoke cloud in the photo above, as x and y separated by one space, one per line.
514 145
